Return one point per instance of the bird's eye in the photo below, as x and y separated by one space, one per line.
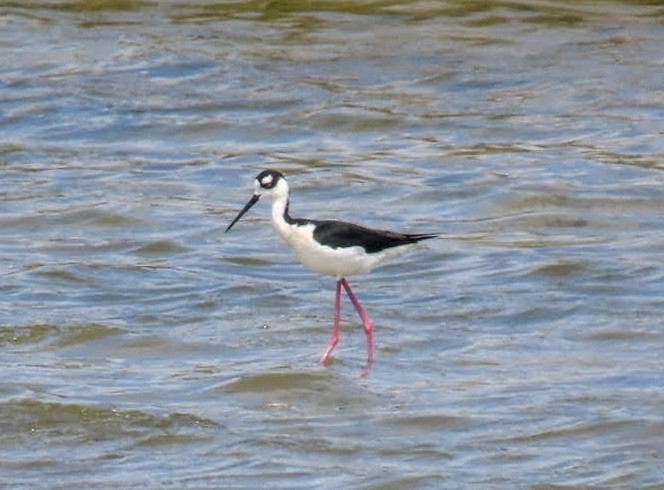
267 181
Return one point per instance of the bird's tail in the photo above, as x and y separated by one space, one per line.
416 237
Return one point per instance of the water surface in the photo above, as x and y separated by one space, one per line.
142 347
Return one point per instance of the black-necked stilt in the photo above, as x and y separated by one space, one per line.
333 248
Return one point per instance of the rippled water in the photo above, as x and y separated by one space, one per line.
141 347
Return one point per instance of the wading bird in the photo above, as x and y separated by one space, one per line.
329 247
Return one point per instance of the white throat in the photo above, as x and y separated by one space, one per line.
279 204
279 196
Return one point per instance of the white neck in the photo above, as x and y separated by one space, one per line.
279 204
279 198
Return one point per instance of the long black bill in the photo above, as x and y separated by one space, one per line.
247 207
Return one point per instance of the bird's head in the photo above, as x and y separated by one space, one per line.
270 184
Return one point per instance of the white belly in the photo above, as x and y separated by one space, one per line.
336 262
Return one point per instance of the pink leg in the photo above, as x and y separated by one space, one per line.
335 329
368 329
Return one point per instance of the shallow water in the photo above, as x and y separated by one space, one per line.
142 347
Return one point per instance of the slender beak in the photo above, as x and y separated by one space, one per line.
254 199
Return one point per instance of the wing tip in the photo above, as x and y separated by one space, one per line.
423 236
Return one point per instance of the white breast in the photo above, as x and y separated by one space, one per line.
336 262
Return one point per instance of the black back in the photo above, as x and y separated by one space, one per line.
337 234
340 234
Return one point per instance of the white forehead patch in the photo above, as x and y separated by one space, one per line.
267 180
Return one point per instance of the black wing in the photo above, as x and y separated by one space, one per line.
337 234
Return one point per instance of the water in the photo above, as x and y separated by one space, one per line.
142 347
